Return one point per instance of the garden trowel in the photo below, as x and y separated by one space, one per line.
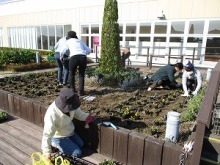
106 123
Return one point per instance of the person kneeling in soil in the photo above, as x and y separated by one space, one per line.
165 77
191 80
59 128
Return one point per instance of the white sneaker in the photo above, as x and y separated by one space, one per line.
149 89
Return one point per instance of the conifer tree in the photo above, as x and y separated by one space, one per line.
110 62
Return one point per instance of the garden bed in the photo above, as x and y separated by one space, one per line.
131 108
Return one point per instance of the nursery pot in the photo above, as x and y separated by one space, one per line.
172 126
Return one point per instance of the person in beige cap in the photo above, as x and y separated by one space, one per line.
58 126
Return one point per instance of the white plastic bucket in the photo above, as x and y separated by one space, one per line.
208 74
172 126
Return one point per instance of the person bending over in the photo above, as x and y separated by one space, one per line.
191 80
165 76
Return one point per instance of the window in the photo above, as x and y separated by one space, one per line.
51 37
44 37
213 46
214 27
59 33
95 29
39 46
120 29
194 39
159 39
1 37
196 27
177 27
130 29
144 39
67 28
160 28
85 29
145 28
176 39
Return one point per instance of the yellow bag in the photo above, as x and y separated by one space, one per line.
38 159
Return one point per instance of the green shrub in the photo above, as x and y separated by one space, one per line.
193 106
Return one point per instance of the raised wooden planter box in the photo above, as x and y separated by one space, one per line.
122 145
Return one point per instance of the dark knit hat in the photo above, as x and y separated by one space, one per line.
67 100
189 67
179 65
71 34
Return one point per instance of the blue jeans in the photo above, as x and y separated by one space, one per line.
70 145
62 65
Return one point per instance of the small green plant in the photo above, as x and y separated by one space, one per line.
3 115
153 129
158 121
193 106
108 162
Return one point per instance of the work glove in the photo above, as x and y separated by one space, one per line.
186 94
89 119
194 93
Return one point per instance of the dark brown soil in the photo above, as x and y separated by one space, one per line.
131 108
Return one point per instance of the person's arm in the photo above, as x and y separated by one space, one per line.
48 132
86 48
199 82
63 50
184 79
80 115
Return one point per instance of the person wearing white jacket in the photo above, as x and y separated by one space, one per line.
77 59
58 126
191 80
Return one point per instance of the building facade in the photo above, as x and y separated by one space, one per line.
158 27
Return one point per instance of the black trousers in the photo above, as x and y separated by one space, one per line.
80 62
191 84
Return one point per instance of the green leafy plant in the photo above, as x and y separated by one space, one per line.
193 106
108 162
3 115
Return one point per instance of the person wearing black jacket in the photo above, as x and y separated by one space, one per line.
165 76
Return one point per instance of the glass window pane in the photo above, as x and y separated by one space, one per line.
44 37
121 29
1 37
214 27
177 27
38 37
85 29
59 32
196 27
194 39
213 46
85 40
67 28
130 29
130 38
51 37
176 39
95 29
144 39
160 28
159 39
145 28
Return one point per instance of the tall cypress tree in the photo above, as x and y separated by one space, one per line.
110 62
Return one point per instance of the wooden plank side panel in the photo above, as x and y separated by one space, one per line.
37 113
172 153
4 104
23 107
17 106
107 141
43 110
199 138
136 148
121 145
11 103
209 99
153 151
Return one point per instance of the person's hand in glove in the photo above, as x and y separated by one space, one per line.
89 119
194 93
186 94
